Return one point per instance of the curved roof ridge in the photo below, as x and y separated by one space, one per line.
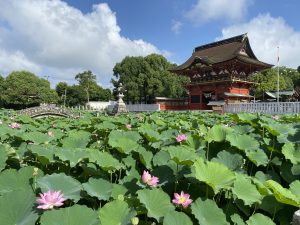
239 38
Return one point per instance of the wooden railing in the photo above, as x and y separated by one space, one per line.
264 107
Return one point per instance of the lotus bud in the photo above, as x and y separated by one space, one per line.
35 172
121 197
135 221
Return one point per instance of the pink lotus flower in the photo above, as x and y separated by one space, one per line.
181 137
128 126
50 134
150 180
276 117
14 125
50 199
182 199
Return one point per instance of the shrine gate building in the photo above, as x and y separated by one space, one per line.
219 72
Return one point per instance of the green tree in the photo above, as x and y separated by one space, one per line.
1 90
145 78
86 79
266 80
23 89
76 95
61 89
293 74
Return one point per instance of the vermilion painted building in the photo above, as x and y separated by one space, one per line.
219 71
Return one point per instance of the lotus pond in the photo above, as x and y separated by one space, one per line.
161 168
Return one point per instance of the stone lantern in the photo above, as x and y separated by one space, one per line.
120 106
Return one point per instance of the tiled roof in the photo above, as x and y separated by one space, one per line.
221 51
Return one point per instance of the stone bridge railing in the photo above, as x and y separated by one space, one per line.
47 110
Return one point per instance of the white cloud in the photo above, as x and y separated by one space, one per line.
206 10
49 35
176 26
16 61
266 33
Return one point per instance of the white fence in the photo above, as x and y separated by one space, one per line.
130 107
264 107
143 107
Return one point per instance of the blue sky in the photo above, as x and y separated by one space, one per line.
59 38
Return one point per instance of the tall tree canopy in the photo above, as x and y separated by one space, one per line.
87 90
145 78
1 90
266 80
23 89
86 79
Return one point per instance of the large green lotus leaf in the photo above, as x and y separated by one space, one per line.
145 157
295 188
208 213
6 130
181 155
76 139
117 190
60 182
169 134
99 188
105 160
279 129
232 161
73 156
124 141
296 170
291 152
149 132
270 205
11 179
257 156
105 125
247 117
259 219
214 174
36 137
259 180
17 208
161 158
44 153
245 190
156 201
177 218
287 171
3 157
116 212
243 129
236 219
243 142
283 195
75 215
217 133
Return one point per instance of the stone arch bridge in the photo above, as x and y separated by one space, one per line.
45 110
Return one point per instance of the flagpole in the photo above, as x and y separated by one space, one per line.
278 74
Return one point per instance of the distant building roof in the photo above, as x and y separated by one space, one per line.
237 95
216 103
237 47
274 94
